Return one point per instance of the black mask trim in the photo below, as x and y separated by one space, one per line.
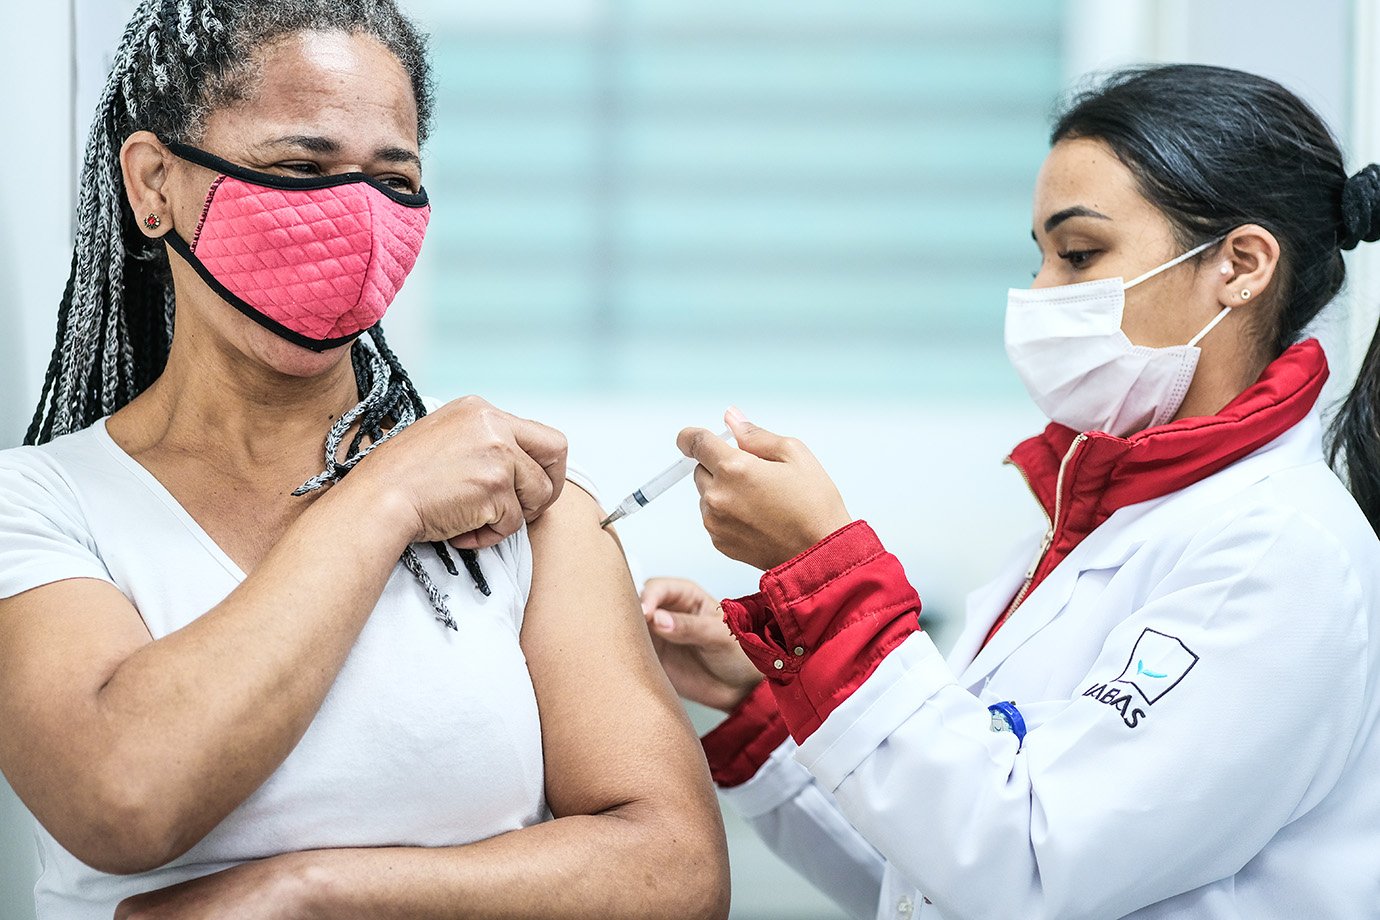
269 180
179 246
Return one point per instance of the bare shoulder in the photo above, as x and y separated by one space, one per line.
575 514
570 548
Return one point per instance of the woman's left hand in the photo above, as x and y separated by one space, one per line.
766 500
269 889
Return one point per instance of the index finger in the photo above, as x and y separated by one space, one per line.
675 594
704 446
548 447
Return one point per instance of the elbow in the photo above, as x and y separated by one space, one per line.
127 831
702 891
688 879
702 882
711 890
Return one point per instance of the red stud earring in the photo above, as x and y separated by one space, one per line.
153 221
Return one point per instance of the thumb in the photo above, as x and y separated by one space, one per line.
688 629
752 438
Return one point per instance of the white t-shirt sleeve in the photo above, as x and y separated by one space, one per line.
575 476
43 532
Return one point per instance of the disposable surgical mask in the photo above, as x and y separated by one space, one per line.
1067 345
316 260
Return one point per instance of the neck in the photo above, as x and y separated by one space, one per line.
1226 367
211 399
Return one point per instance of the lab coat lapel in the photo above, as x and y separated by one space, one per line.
983 606
1109 546
1041 606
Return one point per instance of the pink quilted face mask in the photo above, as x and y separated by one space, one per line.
316 260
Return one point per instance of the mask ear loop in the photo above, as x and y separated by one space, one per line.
1172 262
1209 327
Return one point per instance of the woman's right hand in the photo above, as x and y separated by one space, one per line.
697 651
468 473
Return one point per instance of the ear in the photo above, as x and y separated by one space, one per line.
145 163
1252 254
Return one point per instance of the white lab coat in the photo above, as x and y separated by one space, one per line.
1243 606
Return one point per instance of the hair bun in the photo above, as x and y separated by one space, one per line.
1360 208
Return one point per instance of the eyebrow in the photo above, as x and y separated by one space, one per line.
1077 210
318 144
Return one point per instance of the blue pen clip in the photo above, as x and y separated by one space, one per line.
1007 718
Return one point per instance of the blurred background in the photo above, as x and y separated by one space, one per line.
645 210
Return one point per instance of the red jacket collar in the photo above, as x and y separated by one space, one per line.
1103 473
1114 472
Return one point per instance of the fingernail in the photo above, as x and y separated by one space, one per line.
734 414
663 621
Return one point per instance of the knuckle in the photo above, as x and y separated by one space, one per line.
734 466
492 479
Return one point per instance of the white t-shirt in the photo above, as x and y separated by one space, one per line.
427 738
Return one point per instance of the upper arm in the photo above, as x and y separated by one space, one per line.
613 731
59 645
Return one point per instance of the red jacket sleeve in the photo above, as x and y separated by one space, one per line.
738 747
823 621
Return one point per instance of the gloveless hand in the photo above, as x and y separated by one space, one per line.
766 500
698 653
269 889
468 473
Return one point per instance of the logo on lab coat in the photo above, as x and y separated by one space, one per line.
1157 664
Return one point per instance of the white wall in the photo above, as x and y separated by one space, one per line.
35 222
35 203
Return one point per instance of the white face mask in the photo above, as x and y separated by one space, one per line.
1067 346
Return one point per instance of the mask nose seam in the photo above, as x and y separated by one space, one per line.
368 266
205 209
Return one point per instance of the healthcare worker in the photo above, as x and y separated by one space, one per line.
1166 705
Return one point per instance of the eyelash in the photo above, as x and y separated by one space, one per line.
1071 256
401 183
1074 255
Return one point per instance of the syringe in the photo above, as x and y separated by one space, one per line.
673 474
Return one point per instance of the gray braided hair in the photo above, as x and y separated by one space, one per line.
178 61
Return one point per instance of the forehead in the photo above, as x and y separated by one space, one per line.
1086 172
333 84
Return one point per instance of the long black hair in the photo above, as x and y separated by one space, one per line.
178 61
1215 148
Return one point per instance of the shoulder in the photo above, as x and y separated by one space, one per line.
45 534
49 474
571 553
574 516
1303 512
1296 562
571 519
